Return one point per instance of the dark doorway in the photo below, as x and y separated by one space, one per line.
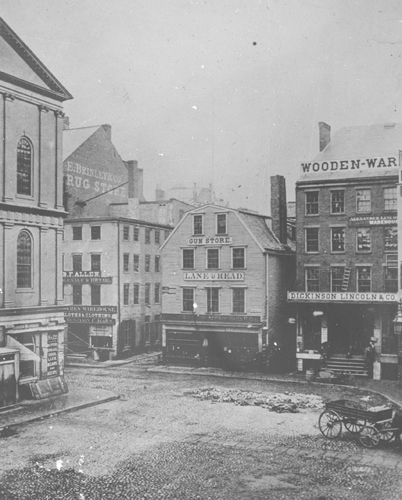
350 328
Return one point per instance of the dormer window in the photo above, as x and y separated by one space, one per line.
221 224
198 224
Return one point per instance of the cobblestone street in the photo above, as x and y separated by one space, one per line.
160 442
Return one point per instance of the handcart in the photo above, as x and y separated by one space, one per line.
370 424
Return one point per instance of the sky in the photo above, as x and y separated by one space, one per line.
221 92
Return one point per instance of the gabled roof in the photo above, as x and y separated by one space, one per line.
73 138
51 86
255 224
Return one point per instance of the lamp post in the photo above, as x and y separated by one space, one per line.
398 331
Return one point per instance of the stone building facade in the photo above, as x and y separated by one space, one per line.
31 222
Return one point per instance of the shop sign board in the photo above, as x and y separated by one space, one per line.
369 297
213 276
381 220
80 277
91 314
213 240
349 166
211 318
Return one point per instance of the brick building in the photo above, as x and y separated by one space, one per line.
347 246
111 262
225 277
31 224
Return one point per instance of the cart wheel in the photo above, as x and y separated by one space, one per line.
330 424
369 436
354 426
385 435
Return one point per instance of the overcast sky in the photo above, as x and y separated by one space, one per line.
227 92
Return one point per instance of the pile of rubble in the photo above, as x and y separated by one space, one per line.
286 402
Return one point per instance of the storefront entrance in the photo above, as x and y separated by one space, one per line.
350 328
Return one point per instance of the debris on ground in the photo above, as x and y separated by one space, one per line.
287 402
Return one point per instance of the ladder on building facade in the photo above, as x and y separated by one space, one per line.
346 276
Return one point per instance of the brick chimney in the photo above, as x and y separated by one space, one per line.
159 193
279 208
325 135
108 129
135 180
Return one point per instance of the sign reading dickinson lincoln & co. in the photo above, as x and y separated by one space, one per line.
86 277
214 240
349 166
90 314
342 297
213 276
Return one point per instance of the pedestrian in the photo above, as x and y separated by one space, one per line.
369 353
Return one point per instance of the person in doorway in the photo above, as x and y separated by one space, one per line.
324 351
369 355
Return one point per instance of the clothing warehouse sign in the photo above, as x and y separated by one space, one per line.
370 297
349 166
90 314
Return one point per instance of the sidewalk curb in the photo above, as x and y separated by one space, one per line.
111 364
274 380
60 412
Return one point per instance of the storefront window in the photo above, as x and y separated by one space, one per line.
363 239
389 343
312 279
337 278
311 331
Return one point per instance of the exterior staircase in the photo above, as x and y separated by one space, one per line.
339 363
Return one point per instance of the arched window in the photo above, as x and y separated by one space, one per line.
24 167
24 260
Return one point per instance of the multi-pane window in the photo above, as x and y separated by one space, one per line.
95 295
136 289
238 300
239 258
390 199
157 236
363 239
126 233
188 258
126 293
197 224
24 260
311 202
188 299
212 300
77 232
136 262
337 278
136 233
24 167
363 200
157 293
147 293
338 239
312 279
77 262
95 232
127 329
337 202
364 279
126 262
221 224
157 263
147 263
312 239
147 235
212 258
390 239
391 279
77 295
95 262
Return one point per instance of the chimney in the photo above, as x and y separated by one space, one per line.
135 180
278 208
325 135
66 123
159 193
108 129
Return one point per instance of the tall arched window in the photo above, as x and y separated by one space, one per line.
24 260
24 167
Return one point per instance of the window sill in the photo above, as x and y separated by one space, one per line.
24 290
312 215
338 252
